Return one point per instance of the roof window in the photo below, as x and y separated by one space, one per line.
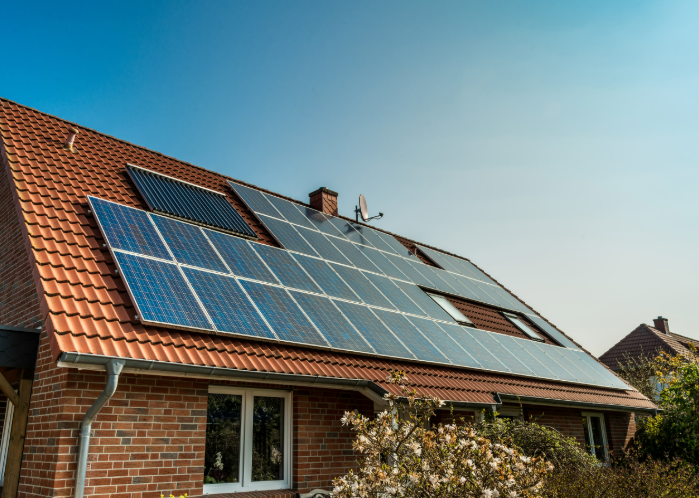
188 202
452 310
519 323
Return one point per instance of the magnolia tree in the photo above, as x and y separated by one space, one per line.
401 458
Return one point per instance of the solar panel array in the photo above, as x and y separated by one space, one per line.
187 276
190 202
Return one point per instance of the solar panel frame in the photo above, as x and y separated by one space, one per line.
594 367
228 306
506 357
255 200
326 278
188 244
346 229
411 337
371 236
354 255
160 292
240 257
466 340
515 347
361 286
399 248
443 342
409 271
426 304
378 259
288 237
289 212
320 220
439 278
185 200
556 367
323 246
551 332
393 293
128 228
285 268
439 258
563 357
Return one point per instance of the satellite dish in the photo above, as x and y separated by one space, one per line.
362 211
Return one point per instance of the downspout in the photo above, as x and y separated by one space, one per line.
113 368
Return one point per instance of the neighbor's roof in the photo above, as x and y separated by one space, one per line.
646 342
88 310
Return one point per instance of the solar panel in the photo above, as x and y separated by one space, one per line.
188 244
349 232
428 306
287 235
285 268
458 265
468 342
240 257
394 294
467 265
375 332
160 292
128 228
326 277
565 358
319 220
322 245
289 212
373 239
519 323
361 286
255 200
399 248
380 261
439 277
410 336
490 341
354 255
555 367
594 367
227 305
283 314
409 271
444 342
476 289
552 332
439 258
459 283
504 297
335 327
185 200
515 347
453 312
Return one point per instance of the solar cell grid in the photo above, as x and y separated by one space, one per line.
439 277
476 272
480 353
283 314
335 327
604 376
489 341
255 200
444 342
371 237
409 271
354 255
578 370
558 370
188 244
380 261
288 236
361 286
240 257
285 268
395 244
397 297
515 347
381 338
289 212
322 245
227 305
160 292
320 221
411 337
128 228
427 305
462 289
552 332
439 258
349 232
326 277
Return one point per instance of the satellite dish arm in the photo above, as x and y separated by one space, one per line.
358 212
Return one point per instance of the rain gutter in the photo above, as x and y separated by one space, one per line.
533 400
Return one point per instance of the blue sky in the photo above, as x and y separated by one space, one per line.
553 144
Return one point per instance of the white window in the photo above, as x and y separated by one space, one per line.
248 440
595 435
452 310
5 440
510 413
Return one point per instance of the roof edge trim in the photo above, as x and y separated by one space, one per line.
576 404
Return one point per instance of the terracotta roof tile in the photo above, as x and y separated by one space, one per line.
88 310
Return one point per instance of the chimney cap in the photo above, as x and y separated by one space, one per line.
323 190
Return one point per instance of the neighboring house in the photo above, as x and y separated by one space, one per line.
646 342
226 329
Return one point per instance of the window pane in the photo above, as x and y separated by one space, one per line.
588 443
600 450
222 455
268 439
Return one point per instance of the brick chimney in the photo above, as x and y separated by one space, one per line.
324 200
660 323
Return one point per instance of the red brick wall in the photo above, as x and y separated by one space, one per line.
19 305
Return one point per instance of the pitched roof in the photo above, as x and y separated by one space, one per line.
88 310
646 342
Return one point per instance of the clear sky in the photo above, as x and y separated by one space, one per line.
553 143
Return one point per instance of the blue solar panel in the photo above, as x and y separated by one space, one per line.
410 336
256 200
552 332
606 377
394 294
289 212
287 235
515 347
409 271
490 342
227 305
372 237
444 342
476 289
285 268
323 245
375 332
399 248
428 306
555 367
508 300
565 358
353 254
334 326
188 244
191 202
283 314
320 221
459 283
128 228
468 342
380 261
160 292
346 228
440 258
361 286
326 277
240 257
440 278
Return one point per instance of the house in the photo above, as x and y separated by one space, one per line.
646 342
202 335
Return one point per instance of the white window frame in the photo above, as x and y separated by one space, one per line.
5 441
246 484
510 411
593 443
